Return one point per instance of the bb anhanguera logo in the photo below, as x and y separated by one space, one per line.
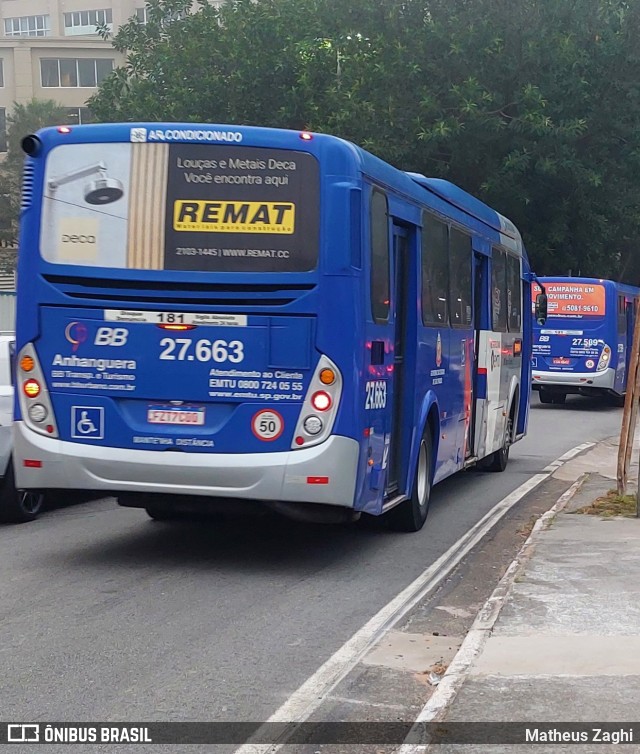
76 333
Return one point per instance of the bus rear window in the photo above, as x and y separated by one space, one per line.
208 208
568 299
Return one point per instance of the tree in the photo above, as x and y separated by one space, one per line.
532 106
23 120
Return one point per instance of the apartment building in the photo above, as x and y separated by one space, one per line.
49 49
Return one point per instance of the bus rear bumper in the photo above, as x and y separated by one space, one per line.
323 474
604 380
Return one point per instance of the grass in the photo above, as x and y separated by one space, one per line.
611 505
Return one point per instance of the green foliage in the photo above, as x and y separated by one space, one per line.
532 106
23 120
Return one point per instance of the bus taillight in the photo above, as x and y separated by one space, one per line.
321 401
323 397
27 364
31 388
38 414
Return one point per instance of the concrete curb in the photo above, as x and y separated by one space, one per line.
482 628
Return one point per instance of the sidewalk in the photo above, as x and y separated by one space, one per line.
565 646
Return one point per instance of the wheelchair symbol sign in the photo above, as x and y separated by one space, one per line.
87 422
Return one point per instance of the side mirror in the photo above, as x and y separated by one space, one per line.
541 308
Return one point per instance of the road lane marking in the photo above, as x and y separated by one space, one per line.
314 691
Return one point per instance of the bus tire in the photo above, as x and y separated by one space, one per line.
498 460
545 397
18 506
411 514
161 513
558 398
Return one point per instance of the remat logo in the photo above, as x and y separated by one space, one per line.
234 217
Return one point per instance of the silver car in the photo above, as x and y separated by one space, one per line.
16 506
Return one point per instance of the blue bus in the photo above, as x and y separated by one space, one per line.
214 314
585 344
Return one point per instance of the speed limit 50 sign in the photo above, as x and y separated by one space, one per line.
267 425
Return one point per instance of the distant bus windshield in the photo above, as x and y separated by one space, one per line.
567 299
181 207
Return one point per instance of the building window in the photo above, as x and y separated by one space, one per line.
74 72
1 72
3 129
76 116
142 17
86 21
27 26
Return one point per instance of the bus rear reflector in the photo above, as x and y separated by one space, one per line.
317 480
177 327
32 463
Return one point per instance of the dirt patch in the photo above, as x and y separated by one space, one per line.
610 505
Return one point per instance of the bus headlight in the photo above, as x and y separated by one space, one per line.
34 398
323 395
605 358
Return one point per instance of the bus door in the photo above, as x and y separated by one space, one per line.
400 421
479 379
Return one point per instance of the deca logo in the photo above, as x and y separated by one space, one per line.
111 336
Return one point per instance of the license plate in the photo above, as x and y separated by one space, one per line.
181 416
560 360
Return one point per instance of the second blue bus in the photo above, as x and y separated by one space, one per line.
585 344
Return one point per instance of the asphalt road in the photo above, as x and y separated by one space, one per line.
108 616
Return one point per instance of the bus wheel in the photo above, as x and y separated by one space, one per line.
544 396
498 461
161 513
18 506
411 514
559 398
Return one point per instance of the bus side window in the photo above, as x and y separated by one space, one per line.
379 257
622 316
514 294
460 278
435 271
498 290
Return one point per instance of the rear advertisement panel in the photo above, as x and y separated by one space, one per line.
573 299
206 208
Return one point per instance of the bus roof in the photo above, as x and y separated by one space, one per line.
467 203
